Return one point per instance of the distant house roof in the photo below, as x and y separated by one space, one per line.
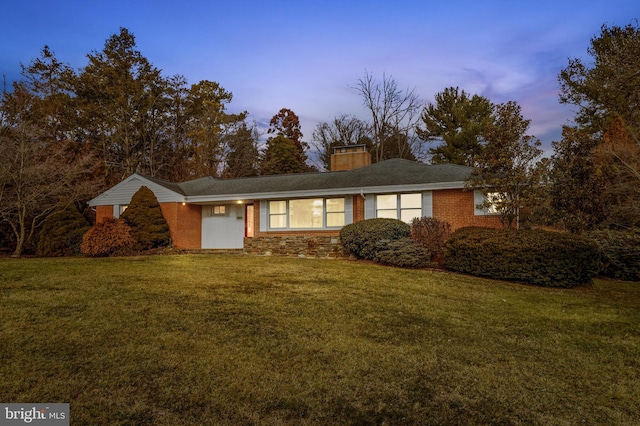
394 174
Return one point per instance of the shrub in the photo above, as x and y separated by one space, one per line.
619 253
403 253
62 231
112 237
362 238
431 233
537 257
148 226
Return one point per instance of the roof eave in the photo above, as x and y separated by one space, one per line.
356 190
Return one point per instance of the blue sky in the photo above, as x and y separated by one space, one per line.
308 55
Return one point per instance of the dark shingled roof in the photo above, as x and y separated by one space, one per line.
387 173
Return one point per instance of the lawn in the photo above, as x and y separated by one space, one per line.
214 339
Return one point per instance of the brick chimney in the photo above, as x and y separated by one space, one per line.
349 157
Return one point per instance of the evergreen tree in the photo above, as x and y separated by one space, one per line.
608 85
281 157
285 152
117 94
576 187
243 158
148 226
457 121
62 231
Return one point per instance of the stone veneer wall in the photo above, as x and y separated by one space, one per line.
296 245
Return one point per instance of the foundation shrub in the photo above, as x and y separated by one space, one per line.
431 233
403 253
544 258
619 253
148 226
363 238
111 237
62 231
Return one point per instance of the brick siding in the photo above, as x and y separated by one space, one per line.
458 208
185 224
103 213
358 208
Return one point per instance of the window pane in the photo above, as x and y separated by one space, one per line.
217 210
305 213
386 201
278 221
276 207
388 214
335 219
277 214
410 201
335 205
406 215
494 198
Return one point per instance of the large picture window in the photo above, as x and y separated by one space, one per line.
306 213
399 206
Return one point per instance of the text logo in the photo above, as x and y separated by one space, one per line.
36 414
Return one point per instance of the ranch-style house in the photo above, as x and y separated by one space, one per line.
302 214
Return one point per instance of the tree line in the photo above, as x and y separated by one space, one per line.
69 134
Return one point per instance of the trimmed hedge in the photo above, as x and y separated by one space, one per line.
620 253
363 238
148 226
403 253
544 258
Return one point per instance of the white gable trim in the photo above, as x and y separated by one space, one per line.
121 193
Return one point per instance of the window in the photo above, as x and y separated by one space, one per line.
277 214
218 210
399 206
387 206
410 207
481 209
306 213
494 198
335 212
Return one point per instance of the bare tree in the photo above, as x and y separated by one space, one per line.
394 113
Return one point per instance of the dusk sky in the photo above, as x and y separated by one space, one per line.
308 55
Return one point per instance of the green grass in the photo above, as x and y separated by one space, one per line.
206 339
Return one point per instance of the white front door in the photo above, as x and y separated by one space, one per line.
223 226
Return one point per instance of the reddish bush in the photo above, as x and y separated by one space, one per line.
431 234
111 237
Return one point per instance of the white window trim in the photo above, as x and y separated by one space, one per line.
118 209
267 215
374 207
